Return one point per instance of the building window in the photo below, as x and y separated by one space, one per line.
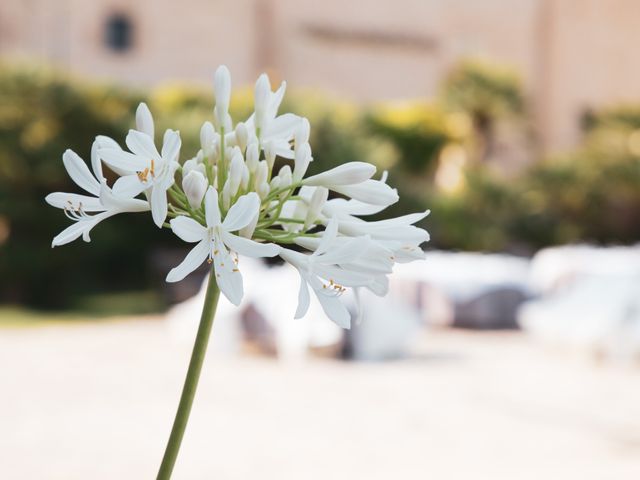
118 33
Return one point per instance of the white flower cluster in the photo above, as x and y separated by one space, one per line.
228 200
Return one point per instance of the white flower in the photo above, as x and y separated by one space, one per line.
214 239
321 272
195 186
147 170
273 131
102 202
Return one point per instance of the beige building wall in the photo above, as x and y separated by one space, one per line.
573 54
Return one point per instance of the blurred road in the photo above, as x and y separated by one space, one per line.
96 401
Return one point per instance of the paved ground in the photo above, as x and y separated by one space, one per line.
95 401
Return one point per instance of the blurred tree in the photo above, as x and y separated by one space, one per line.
487 92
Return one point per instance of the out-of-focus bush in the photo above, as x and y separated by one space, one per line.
489 93
41 114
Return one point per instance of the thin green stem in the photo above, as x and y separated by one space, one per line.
191 381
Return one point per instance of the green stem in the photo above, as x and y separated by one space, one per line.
191 382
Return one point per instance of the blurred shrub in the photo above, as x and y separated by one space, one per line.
488 92
41 114
418 131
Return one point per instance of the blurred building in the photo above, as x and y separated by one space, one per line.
573 54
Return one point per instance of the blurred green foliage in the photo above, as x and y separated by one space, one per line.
590 194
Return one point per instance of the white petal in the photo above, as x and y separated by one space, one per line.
192 261
171 146
304 299
127 162
96 164
188 229
334 309
379 286
121 204
242 212
73 200
159 206
346 174
211 208
328 236
144 120
249 248
341 206
142 145
79 172
346 252
129 186
400 221
275 100
81 228
283 127
341 276
227 274
373 192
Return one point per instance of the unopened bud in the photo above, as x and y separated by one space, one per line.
252 157
242 136
262 173
193 164
222 92
261 99
285 176
275 183
235 171
195 186
244 183
270 154
301 161
318 199
301 134
207 138
226 195
144 120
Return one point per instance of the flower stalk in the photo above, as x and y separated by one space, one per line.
191 380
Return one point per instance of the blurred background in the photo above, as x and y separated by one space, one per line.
511 352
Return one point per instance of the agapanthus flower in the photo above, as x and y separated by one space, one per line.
229 200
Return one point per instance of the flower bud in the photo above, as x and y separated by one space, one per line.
270 154
235 171
226 195
285 176
144 120
191 165
346 174
318 199
301 163
242 136
252 157
262 95
301 134
244 183
222 92
275 183
195 186
263 191
262 173
207 138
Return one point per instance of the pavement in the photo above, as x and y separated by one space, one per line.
96 400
